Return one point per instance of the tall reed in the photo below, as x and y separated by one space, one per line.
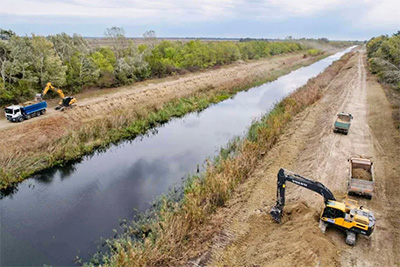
180 228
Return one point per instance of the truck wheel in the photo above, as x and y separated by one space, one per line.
43 111
351 238
28 117
322 225
20 119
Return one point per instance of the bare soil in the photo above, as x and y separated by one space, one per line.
309 147
361 174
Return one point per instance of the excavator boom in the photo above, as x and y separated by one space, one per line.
64 102
48 87
285 175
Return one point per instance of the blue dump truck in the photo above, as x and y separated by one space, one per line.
342 123
17 113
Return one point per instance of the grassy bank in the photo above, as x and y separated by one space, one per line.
179 228
119 125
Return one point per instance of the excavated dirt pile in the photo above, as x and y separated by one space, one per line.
361 174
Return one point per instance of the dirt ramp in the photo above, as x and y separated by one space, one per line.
272 244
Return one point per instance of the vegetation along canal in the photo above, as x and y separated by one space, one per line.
62 212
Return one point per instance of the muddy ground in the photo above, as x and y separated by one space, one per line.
309 147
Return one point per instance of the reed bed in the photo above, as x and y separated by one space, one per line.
179 227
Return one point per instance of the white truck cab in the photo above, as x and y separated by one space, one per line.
14 113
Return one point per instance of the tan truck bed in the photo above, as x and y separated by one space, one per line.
361 177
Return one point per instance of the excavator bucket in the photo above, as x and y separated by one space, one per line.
276 213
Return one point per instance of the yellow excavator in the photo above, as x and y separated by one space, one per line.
65 102
346 216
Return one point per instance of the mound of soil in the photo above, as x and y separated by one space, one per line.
361 174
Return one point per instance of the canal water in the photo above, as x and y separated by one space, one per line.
63 212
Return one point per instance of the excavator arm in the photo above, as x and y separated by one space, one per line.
64 102
285 175
48 87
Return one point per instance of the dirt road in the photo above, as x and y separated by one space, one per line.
309 147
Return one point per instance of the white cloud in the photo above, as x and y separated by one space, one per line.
380 14
164 8
134 9
366 12
305 7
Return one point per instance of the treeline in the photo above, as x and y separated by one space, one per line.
69 62
384 58
308 41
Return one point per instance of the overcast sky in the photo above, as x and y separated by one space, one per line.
334 19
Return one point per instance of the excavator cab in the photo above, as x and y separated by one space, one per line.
66 102
331 213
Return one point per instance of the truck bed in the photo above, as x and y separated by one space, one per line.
361 177
34 107
361 187
342 125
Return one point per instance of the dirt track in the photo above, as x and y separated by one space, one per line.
309 147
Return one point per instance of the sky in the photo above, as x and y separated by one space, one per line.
333 19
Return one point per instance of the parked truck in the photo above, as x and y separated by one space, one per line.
361 177
342 123
19 113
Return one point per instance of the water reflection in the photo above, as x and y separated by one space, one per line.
64 211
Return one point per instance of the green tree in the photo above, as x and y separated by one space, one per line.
66 46
384 58
118 39
132 66
6 34
21 68
390 50
81 71
105 60
4 62
374 44
17 75
46 63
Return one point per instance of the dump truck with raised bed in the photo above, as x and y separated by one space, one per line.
361 177
19 113
347 215
342 123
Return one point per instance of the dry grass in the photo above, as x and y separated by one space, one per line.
182 230
56 140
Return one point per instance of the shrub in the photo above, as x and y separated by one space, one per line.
384 58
